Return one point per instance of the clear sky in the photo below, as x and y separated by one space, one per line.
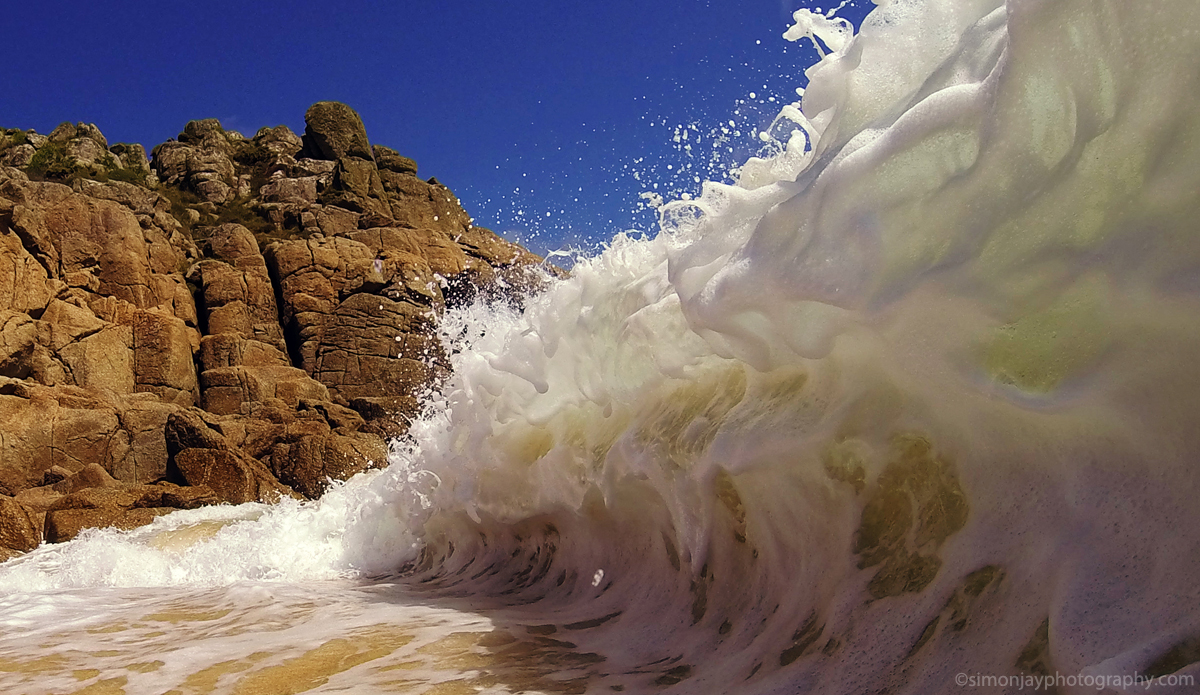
547 119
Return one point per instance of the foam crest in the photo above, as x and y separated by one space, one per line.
916 397
930 323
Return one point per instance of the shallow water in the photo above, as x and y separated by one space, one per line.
918 398
280 638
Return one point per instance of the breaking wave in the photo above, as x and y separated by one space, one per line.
918 396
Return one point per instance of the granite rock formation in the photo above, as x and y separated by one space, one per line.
231 319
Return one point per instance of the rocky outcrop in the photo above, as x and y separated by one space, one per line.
235 319
200 162
95 298
243 359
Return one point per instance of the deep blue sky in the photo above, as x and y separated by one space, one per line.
523 109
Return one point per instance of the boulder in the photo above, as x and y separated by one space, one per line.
18 155
90 476
202 456
143 421
334 130
132 156
205 133
418 204
94 500
64 323
67 132
307 166
279 140
357 186
302 190
164 494
162 358
336 221
233 477
90 153
308 464
65 524
199 162
341 420
170 162
113 497
110 504
190 429
38 499
388 159
19 527
232 390
232 349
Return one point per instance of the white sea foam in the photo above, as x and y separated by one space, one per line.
921 384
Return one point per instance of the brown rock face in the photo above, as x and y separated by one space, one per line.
289 286
72 428
162 358
200 162
390 160
237 293
333 130
24 284
243 359
65 524
309 463
363 319
101 286
90 477
19 528
232 476
99 246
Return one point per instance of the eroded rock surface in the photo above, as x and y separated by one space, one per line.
232 319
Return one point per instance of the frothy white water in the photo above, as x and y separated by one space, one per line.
918 397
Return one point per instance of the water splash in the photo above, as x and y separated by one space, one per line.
914 396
